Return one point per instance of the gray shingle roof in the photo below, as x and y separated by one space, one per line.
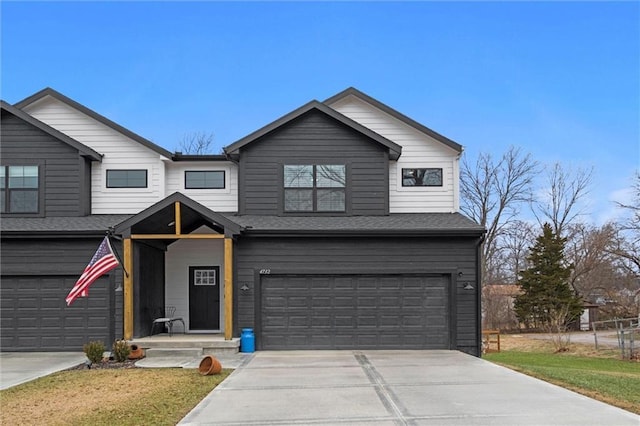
393 224
399 223
93 224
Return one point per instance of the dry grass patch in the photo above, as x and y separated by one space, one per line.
528 343
105 397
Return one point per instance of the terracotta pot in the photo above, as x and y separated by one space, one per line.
209 365
136 352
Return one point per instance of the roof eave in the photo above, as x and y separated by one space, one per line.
407 233
199 157
34 234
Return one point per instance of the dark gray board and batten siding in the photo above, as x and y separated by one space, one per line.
64 175
362 256
313 138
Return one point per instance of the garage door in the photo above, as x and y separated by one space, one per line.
354 312
35 316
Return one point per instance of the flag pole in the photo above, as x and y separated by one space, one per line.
115 251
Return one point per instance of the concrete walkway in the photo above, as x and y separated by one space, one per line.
20 367
392 388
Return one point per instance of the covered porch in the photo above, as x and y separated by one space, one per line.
178 253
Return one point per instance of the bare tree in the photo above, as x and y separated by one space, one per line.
493 192
565 189
594 267
515 241
627 243
196 143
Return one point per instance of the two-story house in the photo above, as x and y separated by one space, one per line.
334 227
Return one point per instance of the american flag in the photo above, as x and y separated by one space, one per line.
102 262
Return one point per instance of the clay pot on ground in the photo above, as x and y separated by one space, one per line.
136 352
209 365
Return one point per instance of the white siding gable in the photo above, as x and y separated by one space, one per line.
119 152
219 200
418 151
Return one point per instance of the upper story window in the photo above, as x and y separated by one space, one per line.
421 177
314 188
206 179
126 178
19 187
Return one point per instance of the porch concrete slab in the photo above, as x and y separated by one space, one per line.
21 367
401 387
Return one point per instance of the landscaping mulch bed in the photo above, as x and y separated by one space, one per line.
106 365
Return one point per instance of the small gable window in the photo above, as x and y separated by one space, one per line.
126 178
206 179
19 187
421 177
314 188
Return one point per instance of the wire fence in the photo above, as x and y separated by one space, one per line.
628 332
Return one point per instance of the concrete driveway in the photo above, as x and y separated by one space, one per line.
20 367
392 388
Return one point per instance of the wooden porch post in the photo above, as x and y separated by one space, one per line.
128 289
228 288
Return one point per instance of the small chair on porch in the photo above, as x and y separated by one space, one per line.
167 318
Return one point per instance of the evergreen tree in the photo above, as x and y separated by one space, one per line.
545 284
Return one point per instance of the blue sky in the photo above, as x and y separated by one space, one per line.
559 79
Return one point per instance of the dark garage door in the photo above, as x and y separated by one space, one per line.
35 316
354 312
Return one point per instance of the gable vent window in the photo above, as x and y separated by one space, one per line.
421 177
210 179
314 188
19 189
126 178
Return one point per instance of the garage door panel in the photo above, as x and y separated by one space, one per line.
344 302
321 302
35 315
49 302
354 311
25 303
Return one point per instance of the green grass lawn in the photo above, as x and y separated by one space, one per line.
614 381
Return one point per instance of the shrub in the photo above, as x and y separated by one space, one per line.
121 350
94 351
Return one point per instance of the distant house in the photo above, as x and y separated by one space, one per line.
498 313
497 306
336 226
